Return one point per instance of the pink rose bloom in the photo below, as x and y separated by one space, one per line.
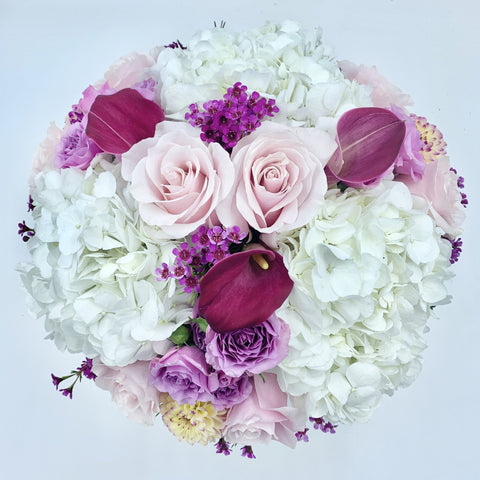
129 389
129 70
279 178
440 189
264 416
176 178
45 153
384 93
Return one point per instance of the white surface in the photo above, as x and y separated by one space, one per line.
49 52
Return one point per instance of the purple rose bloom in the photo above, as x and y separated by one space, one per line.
410 159
232 391
251 349
198 336
184 374
75 149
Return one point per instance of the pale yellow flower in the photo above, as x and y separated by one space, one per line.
198 423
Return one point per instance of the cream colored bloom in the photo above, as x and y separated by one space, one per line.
198 423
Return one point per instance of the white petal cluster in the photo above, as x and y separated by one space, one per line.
92 271
367 271
284 61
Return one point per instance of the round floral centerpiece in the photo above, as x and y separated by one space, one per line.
244 236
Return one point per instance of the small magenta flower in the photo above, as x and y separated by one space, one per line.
321 424
67 392
302 436
26 232
247 452
56 380
223 447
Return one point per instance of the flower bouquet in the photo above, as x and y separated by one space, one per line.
244 236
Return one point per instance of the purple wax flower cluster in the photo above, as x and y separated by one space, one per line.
226 121
194 258
321 424
84 370
456 249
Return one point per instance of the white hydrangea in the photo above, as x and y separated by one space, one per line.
92 271
284 61
367 271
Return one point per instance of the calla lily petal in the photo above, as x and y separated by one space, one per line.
369 140
241 291
117 122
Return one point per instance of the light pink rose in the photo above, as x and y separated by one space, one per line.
384 93
177 179
129 70
264 416
439 188
279 178
130 389
45 154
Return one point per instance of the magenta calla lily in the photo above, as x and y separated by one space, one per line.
369 140
117 122
237 292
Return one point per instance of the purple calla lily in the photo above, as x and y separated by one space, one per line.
243 289
369 140
117 122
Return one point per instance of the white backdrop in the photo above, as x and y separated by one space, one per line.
49 52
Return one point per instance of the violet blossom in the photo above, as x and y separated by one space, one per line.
251 349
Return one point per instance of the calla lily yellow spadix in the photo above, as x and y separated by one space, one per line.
243 290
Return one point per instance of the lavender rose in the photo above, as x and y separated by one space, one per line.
75 149
184 374
231 391
252 349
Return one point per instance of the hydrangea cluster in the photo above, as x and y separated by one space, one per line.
90 276
236 277
227 121
367 270
281 61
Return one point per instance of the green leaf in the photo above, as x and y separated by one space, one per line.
202 323
180 336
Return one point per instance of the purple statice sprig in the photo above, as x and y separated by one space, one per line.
194 257
321 424
25 232
226 121
84 370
